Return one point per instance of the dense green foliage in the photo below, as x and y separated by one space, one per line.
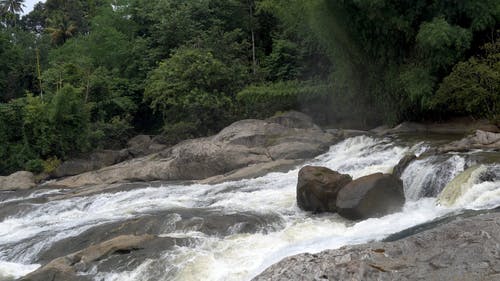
473 86
192 89
84 74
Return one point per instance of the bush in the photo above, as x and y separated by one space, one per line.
51 164
110 135
179 131
34 166
194 87
473 87
261 101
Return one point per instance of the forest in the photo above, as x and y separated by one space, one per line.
80 75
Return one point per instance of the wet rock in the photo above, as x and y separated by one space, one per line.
317 188
402 164
459 185
380 130
353 133
248 142
209 222
370 196
17 181
67 267
479 140
254 171
464 249
408 127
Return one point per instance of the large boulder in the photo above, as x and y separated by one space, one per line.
317 188
291 136
464 249
370 196
18 181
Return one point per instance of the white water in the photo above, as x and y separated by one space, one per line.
240 256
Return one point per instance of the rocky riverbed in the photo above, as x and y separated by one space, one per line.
463 249
224 207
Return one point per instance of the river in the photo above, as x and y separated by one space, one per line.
233 230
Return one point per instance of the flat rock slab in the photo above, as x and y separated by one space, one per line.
464 249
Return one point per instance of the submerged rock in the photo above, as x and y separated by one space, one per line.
67 267
370 196
317 188
460 185
17 181
465 249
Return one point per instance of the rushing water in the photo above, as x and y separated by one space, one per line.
229 252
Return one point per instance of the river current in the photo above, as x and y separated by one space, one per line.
269 225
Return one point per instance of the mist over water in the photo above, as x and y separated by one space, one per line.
231 252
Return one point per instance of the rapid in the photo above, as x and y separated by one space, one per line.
235 230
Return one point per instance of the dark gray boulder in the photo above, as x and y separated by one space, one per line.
370 196
402 164
317 188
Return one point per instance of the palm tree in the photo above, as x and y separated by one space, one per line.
12 6
60 29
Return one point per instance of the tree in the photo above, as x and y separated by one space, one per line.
10 10
473 87
13 6
193 87
60 29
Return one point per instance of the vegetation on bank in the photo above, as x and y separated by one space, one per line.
77 75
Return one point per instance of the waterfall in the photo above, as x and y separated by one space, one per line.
232 230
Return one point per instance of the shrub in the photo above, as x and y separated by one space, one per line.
34 166
261 101
51 164
473 86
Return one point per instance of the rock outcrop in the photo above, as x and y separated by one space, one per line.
138 146
455 126
371 196
17 181
479 140
290 136
317 188
94 161
464 249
